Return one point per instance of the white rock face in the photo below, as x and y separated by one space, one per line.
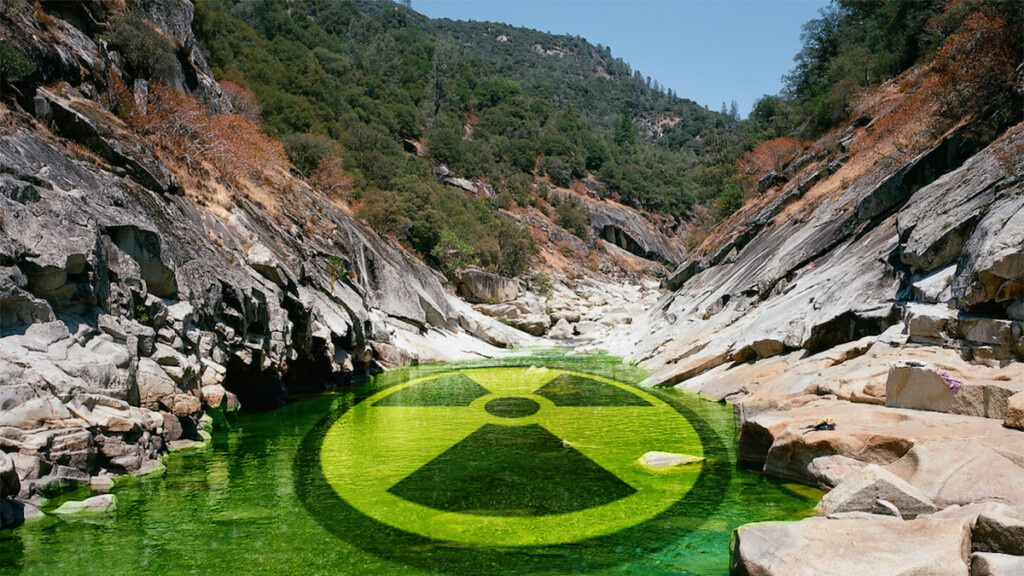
852 547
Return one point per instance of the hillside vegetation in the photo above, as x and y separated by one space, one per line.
364 85
370 100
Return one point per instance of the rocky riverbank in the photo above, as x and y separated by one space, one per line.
866 318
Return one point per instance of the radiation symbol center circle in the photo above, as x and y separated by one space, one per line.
512 407
510 456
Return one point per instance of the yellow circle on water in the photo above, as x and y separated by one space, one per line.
370 449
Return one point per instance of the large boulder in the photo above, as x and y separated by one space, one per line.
629 230
863 493
10 483
1015 412
962 471
852 547
533 324
478 285
156 388
922 386
1000 531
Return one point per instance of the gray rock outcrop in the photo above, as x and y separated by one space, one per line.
476 285
787 273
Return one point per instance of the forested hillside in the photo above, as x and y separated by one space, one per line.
369 98
364 86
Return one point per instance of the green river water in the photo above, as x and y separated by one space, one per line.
524 466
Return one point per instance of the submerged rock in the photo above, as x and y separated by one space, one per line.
102 504
666 460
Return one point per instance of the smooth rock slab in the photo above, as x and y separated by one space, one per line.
102 504
965 471
862 492
852 547
929 446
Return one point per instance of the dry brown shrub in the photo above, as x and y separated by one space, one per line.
968 76
330 176
183 127
243 101
769 156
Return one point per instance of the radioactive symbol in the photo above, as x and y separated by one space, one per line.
508 456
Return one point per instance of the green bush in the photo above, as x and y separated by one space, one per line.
559 172
541 284
452 253
307 151
146 52
14 65
730 200
574 217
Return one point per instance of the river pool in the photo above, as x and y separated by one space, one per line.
524 466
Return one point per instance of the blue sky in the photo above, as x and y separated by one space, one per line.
710 51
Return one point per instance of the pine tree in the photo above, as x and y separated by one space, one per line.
625 134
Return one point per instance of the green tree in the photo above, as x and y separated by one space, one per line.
625 134
14 65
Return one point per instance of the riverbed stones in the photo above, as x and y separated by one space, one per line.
561 330
862 493
852 547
